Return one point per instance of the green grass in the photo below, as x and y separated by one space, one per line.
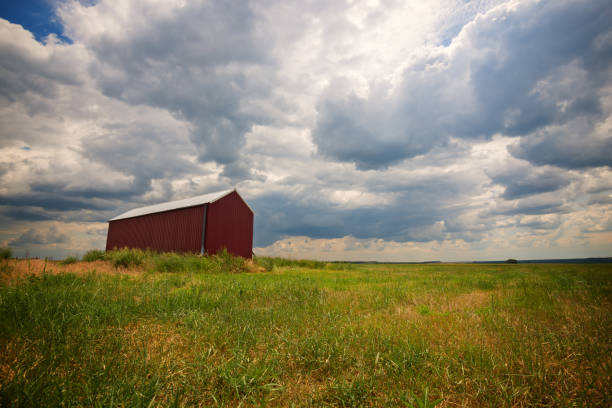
185 332
222 262
69 260
270 263
94 255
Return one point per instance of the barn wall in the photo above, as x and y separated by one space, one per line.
229 224
177 230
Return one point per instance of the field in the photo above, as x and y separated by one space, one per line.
305 334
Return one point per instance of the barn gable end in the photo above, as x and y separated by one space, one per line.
229 224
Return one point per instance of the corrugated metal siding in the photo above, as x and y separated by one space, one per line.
229 225
177 230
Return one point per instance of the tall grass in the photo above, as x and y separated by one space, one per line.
94 255
270 263
69 260
221 262
371 335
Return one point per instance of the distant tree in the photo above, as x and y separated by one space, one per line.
511 261
6 253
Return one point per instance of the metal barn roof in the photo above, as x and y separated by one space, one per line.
174 205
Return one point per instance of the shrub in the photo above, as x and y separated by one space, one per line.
6 253
223 261
511 261
70 260
172 262
93 255
126 257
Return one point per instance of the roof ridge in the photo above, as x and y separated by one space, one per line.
175 204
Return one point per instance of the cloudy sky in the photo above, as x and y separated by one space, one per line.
357 130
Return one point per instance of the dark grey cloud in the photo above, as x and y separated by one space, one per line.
525 181
61 202
600 199
201 62
538 205
414 215
574 146
140 150
350 130
34 237
502 75
63 189
52 201
26 213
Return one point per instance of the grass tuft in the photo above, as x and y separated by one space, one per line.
127 257
70 260
93 255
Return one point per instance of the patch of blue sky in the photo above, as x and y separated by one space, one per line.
449 35
36 16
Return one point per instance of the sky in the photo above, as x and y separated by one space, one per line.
381 130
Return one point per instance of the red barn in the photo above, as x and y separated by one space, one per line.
203 224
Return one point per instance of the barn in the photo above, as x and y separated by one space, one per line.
202 224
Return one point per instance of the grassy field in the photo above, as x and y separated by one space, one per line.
304 334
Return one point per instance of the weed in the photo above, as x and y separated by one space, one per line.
171 263
126 257
423 310
93 255
226 262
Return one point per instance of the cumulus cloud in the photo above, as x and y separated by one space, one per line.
200 61
514 70
400 210
67 146
374 128
34 237
574 145
524 180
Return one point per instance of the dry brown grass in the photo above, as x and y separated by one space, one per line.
8 359
468 301
18 269
253 267
162 343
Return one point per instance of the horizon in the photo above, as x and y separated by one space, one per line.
357 131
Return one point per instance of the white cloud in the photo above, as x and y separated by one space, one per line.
384 130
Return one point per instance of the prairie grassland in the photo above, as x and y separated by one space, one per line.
88 334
